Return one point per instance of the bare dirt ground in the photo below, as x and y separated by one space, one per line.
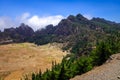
17 60
108 71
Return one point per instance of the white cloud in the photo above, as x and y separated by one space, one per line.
88 16
40 22
6 22
25 16
35 21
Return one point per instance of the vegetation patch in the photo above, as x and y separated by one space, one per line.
72 65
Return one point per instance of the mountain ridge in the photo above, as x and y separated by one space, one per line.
71 31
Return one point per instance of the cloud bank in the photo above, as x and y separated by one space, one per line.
34 21
38 22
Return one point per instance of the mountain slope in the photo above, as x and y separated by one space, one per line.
76 30
16 60
19 34
108 71
72 32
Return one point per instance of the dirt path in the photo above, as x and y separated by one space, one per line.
17 60
109 71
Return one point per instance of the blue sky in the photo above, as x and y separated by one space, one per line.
108 9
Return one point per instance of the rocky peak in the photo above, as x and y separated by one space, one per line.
10 31
49 26
48 30
71 18
23 26
103 20
25 30
80 17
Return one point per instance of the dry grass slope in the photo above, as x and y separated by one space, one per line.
17 60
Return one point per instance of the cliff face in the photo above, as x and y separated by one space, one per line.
108 71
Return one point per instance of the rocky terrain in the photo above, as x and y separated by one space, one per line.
108 71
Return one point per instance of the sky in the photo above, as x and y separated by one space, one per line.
40 13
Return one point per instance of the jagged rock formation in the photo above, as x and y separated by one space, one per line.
19 34
72 31
76 30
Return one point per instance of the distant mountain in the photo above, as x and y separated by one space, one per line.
19 34
75 32
108 26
